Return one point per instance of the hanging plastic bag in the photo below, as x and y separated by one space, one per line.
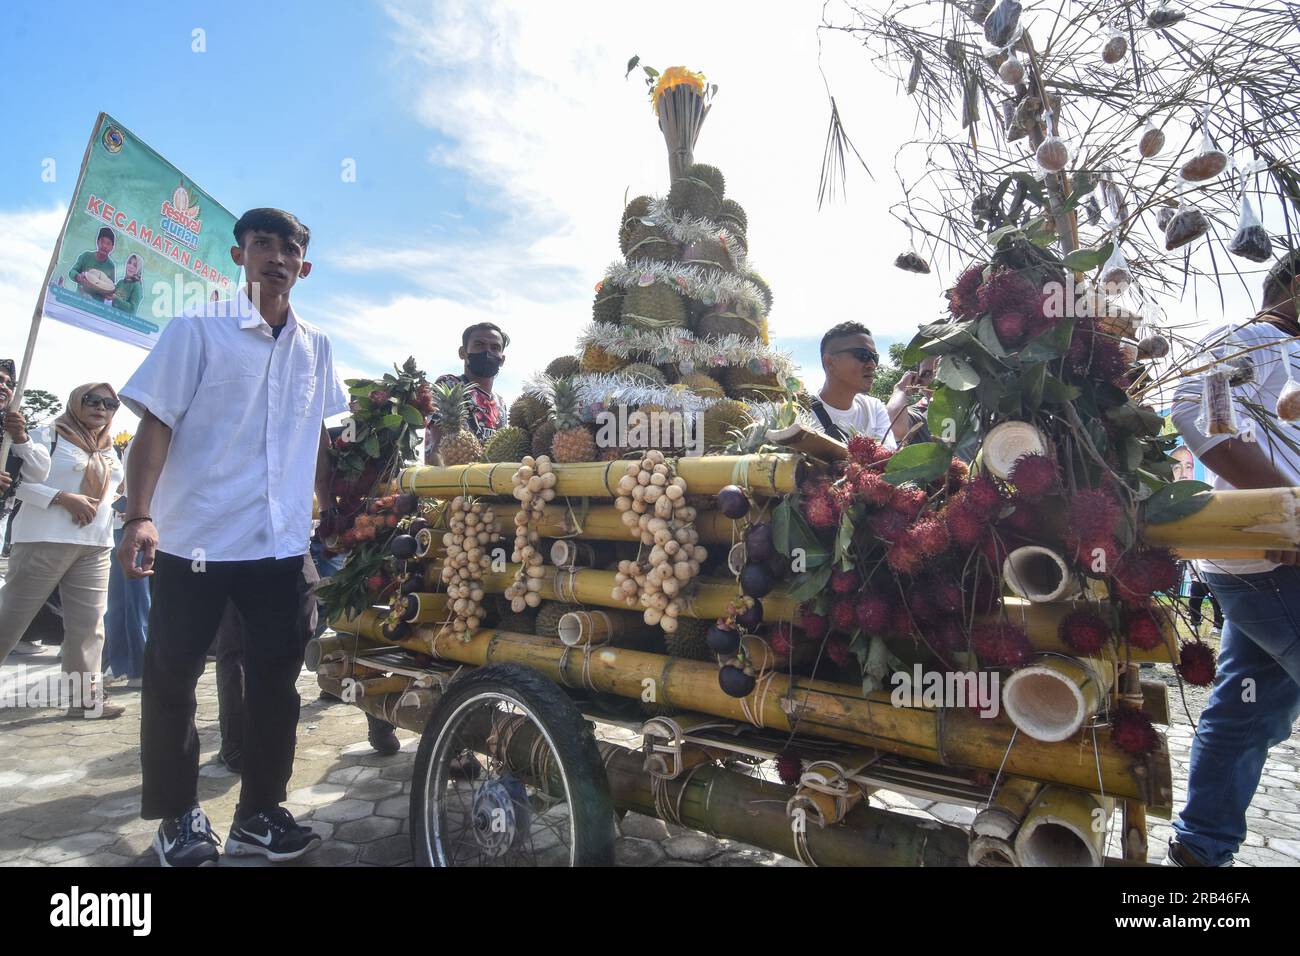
1052 154
1002 26
1115 275
1151 141
1164 215
1218 415
1209 160
1115 47
1187 225
1251 241
1288 400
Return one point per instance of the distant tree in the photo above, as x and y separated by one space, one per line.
887 376
39 406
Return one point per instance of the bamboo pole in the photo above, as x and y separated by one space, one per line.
602 522
1052 696
1257 520
952 737
1001 818
1042 622
987 851
1155 701
762 475
409 710
1064 828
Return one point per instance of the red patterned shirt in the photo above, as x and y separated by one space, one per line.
488 408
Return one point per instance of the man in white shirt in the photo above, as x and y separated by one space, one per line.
231 442
1256 695
843 407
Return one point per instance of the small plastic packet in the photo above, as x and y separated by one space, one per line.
1187 225
1209 160
1115 275
1218 415
1151 141
1251 241
1115 47
1288 399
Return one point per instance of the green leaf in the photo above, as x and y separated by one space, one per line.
412 416
393 421
1130 453
1051 344
781 526
631 65
913 354
1085 260
1177 500
949 413
1056 392
843 541
957 373
371 446
650 71
810 584
1031 385
921 463
361 391
988 338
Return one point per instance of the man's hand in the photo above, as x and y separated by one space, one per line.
5 482
16 426
1283 557
82 509
139 540
908 384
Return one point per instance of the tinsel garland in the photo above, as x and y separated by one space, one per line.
681 347
688 230
708 286
596 392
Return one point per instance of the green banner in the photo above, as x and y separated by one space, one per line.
142 243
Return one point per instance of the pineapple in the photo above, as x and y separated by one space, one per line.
451 411
572 441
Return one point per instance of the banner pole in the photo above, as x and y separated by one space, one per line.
21 384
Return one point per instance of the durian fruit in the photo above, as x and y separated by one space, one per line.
729 319
636 209
528 412
547 623
507 444
654 306
672 374
764 290
564 367
451 411
708 254
720 419
699 193
710 175
643 372
608 306
702 384
650 243
733 217
596 360
542 437
572 441
518 623
750 386
688 641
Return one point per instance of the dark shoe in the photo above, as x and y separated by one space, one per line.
187 840
327 698
464 767
273 834
1179 855
103 711
383 738
232 760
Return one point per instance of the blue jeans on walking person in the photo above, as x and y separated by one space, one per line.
126 622
1253 706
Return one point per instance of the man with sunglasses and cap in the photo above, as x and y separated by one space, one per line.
843 406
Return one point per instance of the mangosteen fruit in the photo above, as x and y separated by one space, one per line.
758 542
750 618
722 640
406 504
735 682
731 501
403 546
756 580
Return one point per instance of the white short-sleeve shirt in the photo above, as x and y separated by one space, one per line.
245 409
866 416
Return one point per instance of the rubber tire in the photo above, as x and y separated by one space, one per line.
590 809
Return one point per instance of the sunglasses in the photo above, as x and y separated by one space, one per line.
863 355
94 401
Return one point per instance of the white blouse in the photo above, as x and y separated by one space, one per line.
38 520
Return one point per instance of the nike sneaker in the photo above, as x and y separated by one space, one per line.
187 840
273 834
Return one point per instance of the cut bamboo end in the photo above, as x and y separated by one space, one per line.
1256 520
585 628
1040 575
991 851
1064 828
1002 817
1008 442
1051 698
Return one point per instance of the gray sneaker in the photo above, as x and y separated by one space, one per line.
187 840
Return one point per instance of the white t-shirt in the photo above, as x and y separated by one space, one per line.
41 520
866 416
1270 376
245 409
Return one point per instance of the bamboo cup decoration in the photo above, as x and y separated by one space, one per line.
1257 520
1039 574
990 851
585 629
1050 698
1065 828
1001 818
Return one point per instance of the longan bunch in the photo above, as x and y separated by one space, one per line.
653 504
472 530
534 486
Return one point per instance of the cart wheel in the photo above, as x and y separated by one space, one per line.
508 774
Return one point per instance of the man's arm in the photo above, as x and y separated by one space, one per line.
432 436
899 402
324 471
144 465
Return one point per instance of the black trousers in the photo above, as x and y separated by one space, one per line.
229 651
188 603
1197 593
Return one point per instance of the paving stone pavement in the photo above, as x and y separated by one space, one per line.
70 792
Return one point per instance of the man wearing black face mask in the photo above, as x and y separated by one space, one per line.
483 350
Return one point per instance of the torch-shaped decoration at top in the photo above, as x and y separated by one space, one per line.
681 101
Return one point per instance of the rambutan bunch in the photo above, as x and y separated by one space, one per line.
1094 354
1012 329
873 490
994 551
1006 290
843 614
837 649
901 623
1084 631
930 536
963 300
1142 629
1096 556
1133 732
946 635
1026 520
932 598
903 556
1092 513
845 582
1039 319
821 505
1139 574
889 525
863 449
958 473
985 494
1034 476
908 500
781 640
813 625
789 767
1001 645
965 521
873 612
985 590
1196 663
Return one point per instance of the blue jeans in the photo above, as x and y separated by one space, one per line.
126 622
1253 705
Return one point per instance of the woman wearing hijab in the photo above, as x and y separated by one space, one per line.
63 537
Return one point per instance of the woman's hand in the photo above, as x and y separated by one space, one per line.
16 426
82 509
